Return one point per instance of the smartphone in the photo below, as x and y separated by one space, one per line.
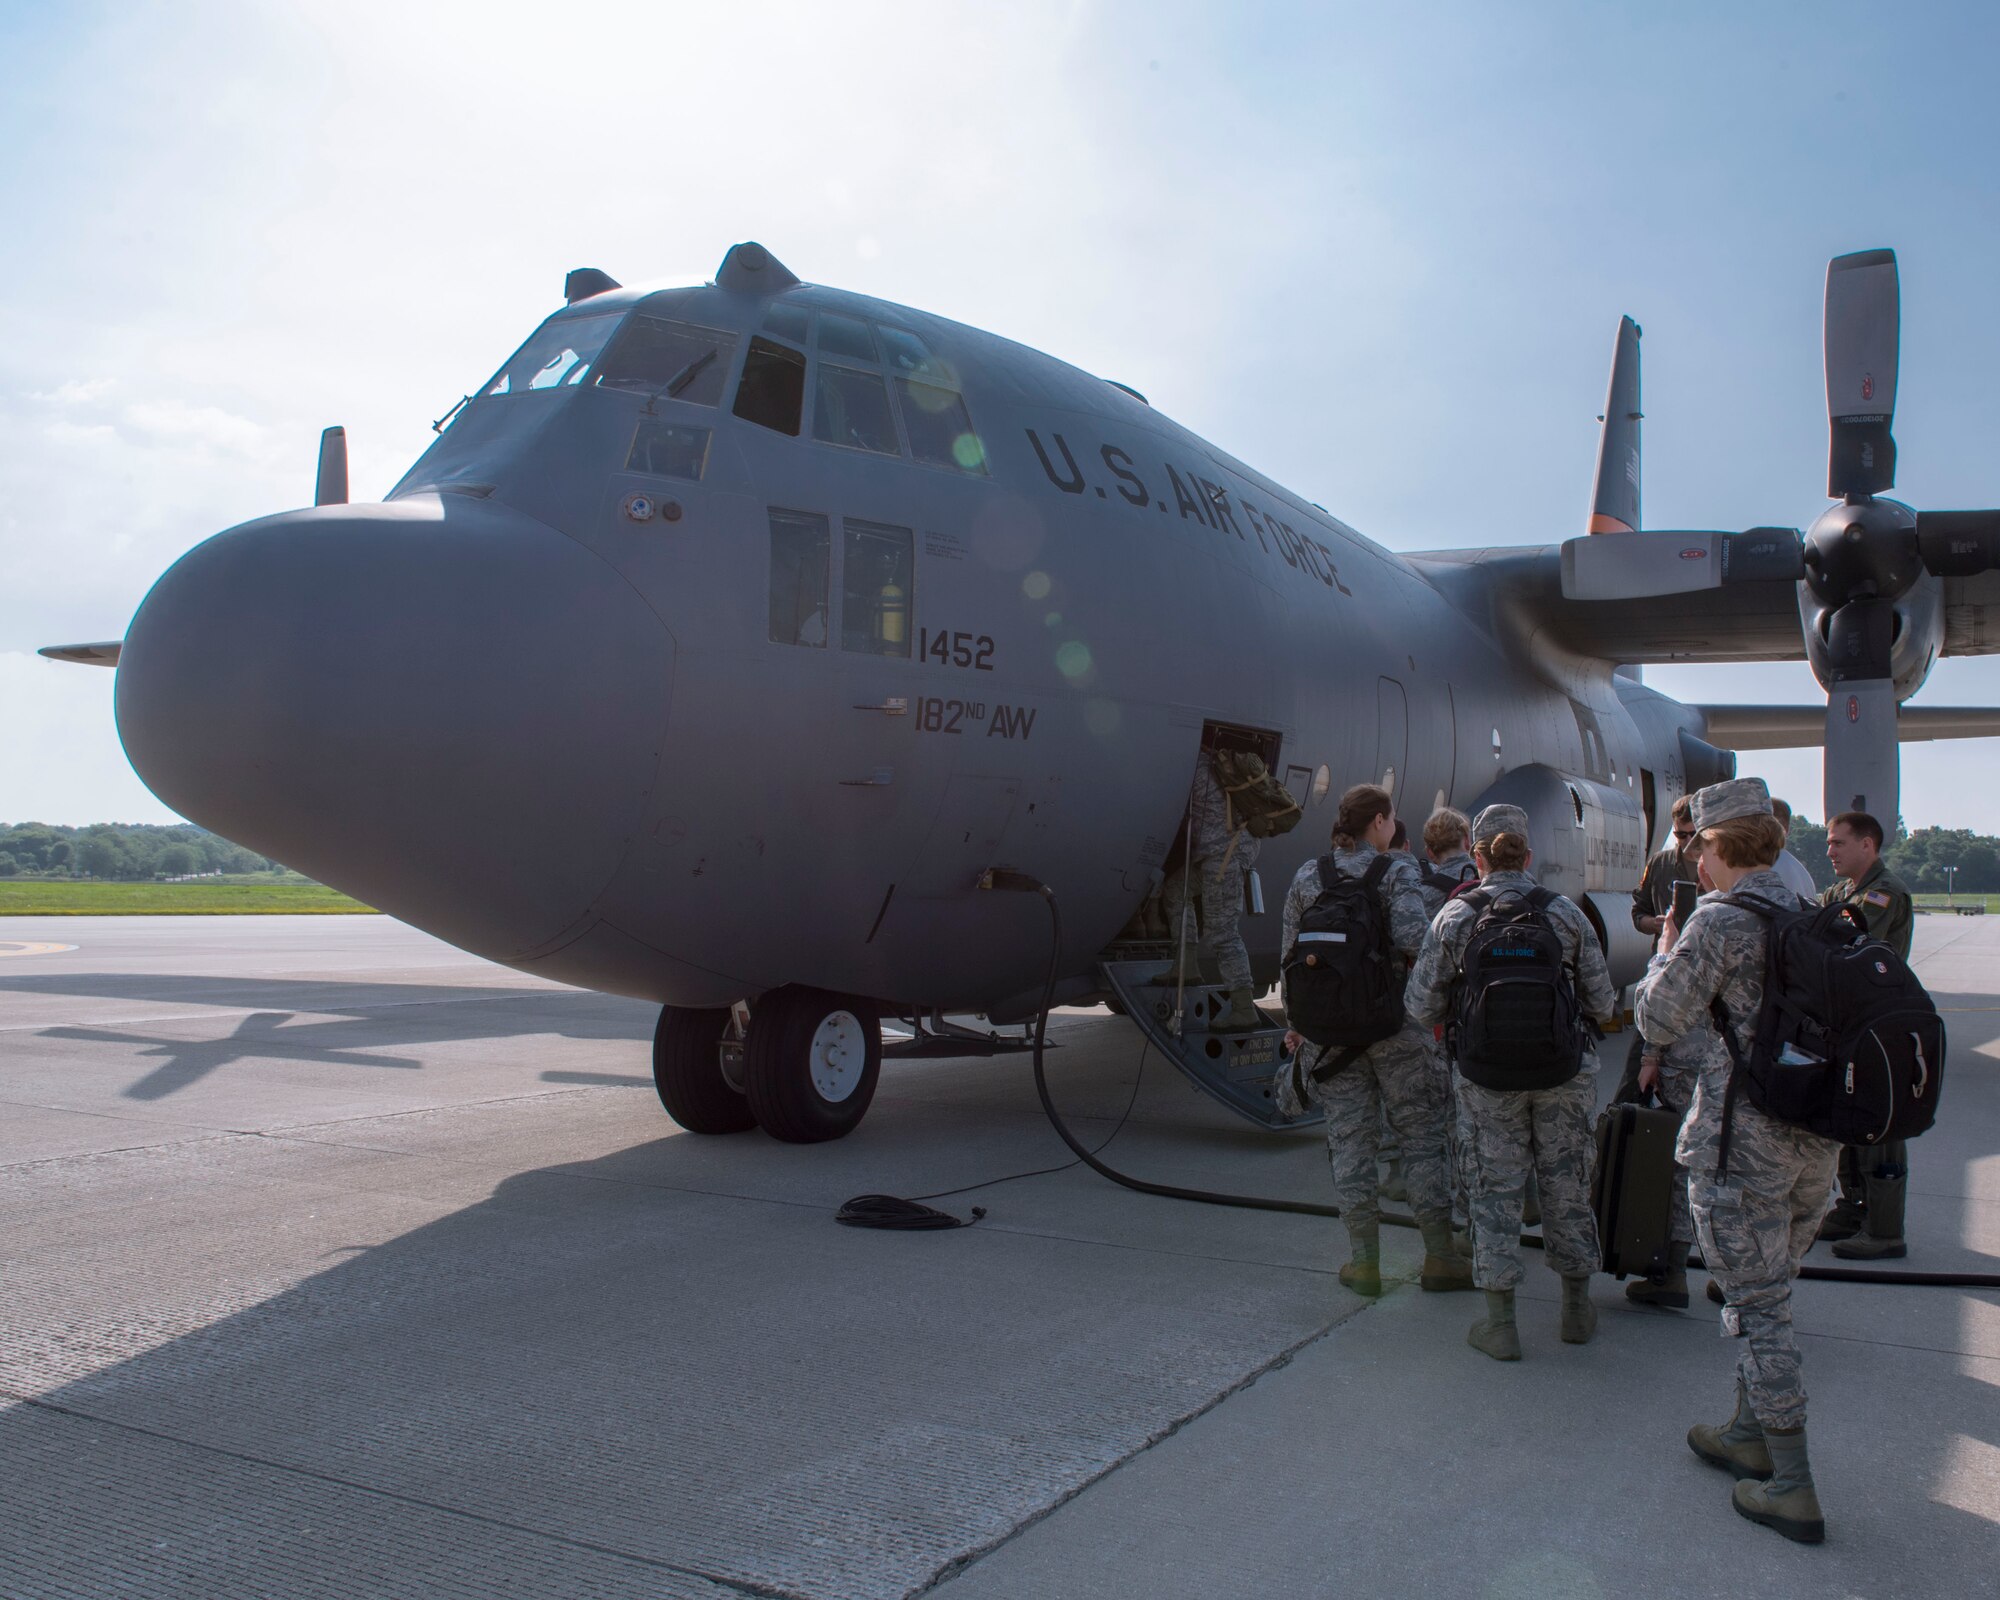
1685 895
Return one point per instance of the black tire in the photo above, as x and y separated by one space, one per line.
781 1063
687 1072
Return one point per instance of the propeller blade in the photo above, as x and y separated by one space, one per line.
1636 566
331 487
1862 772
1959 544
1614 498
1863 331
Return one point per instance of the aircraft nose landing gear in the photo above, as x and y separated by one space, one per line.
810 1063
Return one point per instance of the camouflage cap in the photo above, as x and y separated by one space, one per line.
1499 819
1738 797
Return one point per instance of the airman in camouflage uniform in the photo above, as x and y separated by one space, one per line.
1509 1133
1455 866
1394 1078
1220 854
1755 1219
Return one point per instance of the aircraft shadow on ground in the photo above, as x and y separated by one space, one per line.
347 1024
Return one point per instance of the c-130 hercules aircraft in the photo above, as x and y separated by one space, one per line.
728 639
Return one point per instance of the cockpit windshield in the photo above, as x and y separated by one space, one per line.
557 356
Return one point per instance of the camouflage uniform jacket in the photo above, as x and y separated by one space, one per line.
1883 901
1434 979
1214 832
1720 953
1401 889
1453 866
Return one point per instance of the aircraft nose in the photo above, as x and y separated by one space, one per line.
439 705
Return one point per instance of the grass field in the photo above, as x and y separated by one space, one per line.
1938 902
201 898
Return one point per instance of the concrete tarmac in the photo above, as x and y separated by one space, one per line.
334 1262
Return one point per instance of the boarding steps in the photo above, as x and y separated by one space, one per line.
1234 1068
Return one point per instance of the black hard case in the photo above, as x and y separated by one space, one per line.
1633 1187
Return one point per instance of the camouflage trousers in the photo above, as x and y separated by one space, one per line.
1394 1079
1509 1133
1754 1230
1220 897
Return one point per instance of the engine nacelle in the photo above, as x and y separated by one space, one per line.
1918 637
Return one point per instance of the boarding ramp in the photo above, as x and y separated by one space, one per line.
1236 1069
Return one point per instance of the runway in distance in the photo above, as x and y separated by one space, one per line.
728 635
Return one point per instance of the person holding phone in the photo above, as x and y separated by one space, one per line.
1670 1074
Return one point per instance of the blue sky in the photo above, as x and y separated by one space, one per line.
1377 252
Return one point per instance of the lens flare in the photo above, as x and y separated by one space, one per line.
967 451
1036 586
1073 659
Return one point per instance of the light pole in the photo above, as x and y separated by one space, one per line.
1950 899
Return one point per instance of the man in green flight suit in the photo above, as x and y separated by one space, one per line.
1867 1222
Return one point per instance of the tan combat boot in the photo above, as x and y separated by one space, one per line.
1363 1272
1786 1501
1444 1270
1495 1334
1671 1291
1737 1446
1579 1316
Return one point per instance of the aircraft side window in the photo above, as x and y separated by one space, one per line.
877 567
668 450
787 322
558 354
845 336
772 393
675 360
799 550
905 353
852 408
939 428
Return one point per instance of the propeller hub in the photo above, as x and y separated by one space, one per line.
1862 550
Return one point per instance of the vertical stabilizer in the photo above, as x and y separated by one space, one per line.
1614 499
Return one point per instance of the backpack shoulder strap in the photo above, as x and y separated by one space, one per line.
1720 1013
1329 873
1378 869
1541 899
1478 899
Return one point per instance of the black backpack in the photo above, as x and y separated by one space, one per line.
1343 984
1848 1044
1518 1025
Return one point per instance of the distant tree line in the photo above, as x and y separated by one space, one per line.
140 850
1919 858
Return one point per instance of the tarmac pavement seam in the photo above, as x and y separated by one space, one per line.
959 1564
444 1508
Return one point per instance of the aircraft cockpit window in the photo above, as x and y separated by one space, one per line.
672 360
907 354
772 392
877 564
940 431
787 322
799 550
845 336
557 356
852 408
668 450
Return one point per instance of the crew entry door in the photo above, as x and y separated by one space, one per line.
1392 735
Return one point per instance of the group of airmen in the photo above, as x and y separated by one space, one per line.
1485 1149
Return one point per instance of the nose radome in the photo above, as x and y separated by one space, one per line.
439 705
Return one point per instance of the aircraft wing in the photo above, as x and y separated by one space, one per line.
1804 727
102 654
1520 591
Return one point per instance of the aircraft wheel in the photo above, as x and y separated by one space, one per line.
810 1063
687 1072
